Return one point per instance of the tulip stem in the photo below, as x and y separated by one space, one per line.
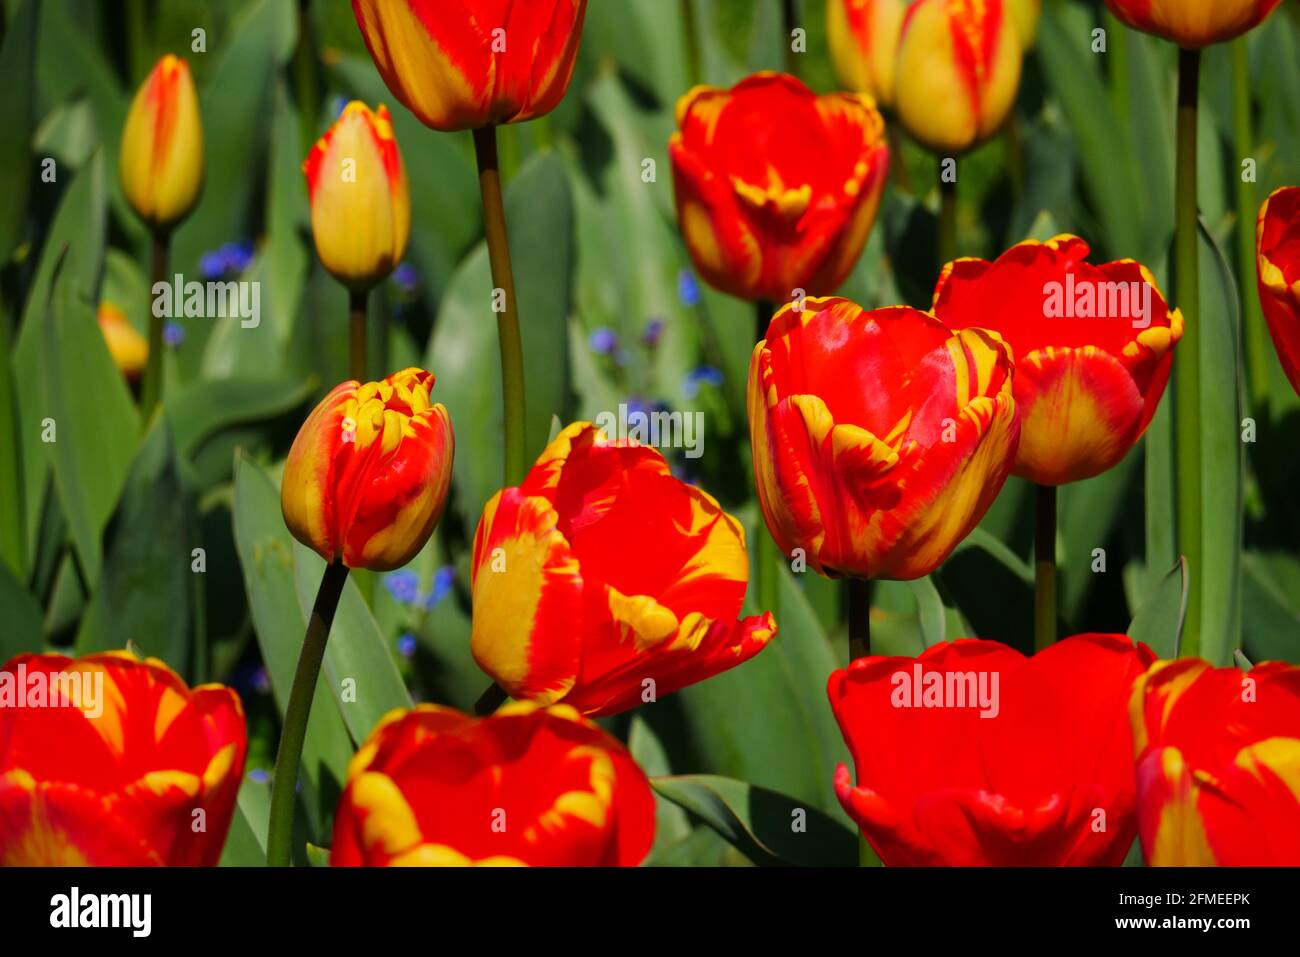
791 18
288 759
1044 566
1257 344
767 584
859 597
691 35
897 158
357 303
491 699
947 214
1187 364
152 387
503 278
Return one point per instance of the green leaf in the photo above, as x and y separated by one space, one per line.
463 350
97 423
356 652
18 120
671 824
208 406
1159 619
13 518
22 618
768 827
144 594
266 557
1271 606
246 842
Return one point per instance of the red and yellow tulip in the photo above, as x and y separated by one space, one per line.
112 761
1193 23
527 786
1093 348
1025 14
367 477
1278 242
161 162
863 40
360 200
957 73
880 438
776 188
604 582
471 63
1218 771
973 755
129 349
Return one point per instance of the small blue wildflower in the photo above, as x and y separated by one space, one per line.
654 331
212 265
406 645
337 105
406 277
239 256
173 333
688 289
443 579
603 341
704 375
259 775
403 585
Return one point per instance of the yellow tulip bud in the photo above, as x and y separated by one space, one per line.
161 162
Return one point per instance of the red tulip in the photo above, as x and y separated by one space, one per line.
1193 23
973 754
111 761
1093 348
1218 769
1278 237
433 787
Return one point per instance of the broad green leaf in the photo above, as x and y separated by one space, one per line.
144 594
671 823
993 588
1087 516
359 669
1271 606
246 842
266 556
768 827
1159 618
208 406
13 518
21 631
18 120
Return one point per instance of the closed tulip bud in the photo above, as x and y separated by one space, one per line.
777 188
129 349
863 37
1193 24
958 72
879 438
360 200
972 755
1025 14
433 787
161 163
1218 764
1093 347
110 761
367 477
604 582
1278 236
473 63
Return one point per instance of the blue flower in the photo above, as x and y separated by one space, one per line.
239 256
406 645
443 580
212 265
703 375
403 585
173 333
654 331
259 775
688 289
406 277
603 341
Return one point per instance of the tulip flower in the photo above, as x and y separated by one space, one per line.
879 438
974 755
161 168
1193 24
1093 348
1218 764
360 202
473 63
776 188
527 786
863 39
129 349
1025 14
1278 245
367 477
110 761
603 581
161 163
957 73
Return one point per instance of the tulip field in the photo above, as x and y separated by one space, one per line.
650 432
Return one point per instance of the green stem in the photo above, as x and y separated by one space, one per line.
858 591
1187 361
767 583
491 699
1257 340
357 304
1015 154
305 77
947 216
691 34
503 278
279 838
791 20
897 158
152 388
1044 566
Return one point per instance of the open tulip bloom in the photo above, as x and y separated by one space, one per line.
1278 243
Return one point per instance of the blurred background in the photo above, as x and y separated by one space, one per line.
612 313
